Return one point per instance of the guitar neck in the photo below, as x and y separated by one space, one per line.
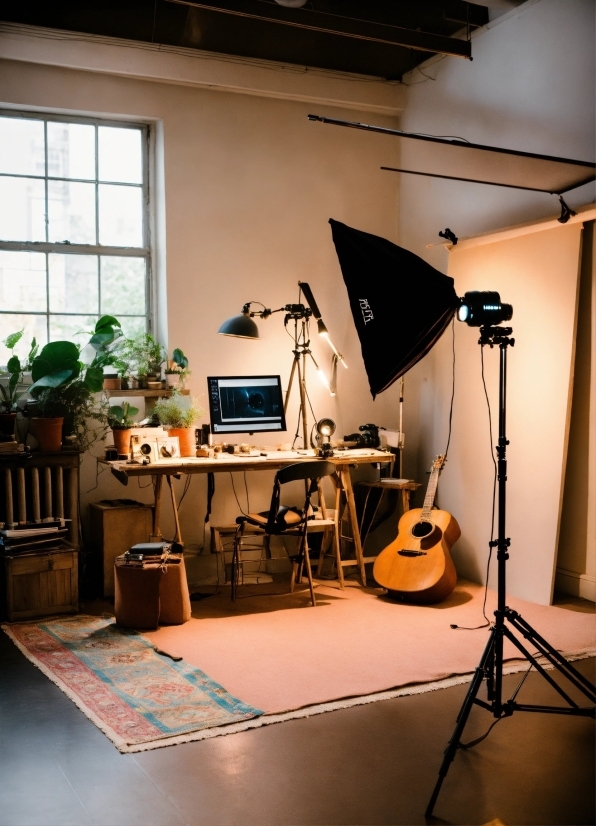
431 490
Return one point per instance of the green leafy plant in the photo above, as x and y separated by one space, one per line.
178 410
65 382
144 353
120 417
9 392
178 365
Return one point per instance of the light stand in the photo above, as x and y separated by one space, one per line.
490 667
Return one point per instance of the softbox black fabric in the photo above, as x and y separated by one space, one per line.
401 305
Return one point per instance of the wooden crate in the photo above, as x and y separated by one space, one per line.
37 585
116 525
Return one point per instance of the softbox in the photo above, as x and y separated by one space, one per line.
400 304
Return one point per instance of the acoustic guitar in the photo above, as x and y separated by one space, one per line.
417 566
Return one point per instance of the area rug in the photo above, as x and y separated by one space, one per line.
282 657
135 695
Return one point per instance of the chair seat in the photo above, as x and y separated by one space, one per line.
290 517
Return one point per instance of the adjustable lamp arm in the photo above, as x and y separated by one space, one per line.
321 327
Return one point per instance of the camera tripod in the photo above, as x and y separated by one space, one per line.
301 351
490 667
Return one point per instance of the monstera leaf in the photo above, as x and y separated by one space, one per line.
57 364
107 330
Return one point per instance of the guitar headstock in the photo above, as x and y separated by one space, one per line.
439 462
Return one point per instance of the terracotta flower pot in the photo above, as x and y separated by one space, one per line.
112 384
187 439
8 424
48 433
121 440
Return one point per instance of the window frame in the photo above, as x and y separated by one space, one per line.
62 248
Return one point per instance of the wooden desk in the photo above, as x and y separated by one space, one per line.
228 463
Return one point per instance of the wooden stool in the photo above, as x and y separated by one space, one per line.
405 486
152 595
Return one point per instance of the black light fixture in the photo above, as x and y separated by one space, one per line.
478 308
325 430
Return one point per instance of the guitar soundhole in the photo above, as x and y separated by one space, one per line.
406 552
422 529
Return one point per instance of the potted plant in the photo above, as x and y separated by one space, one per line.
148 355
120 420
64 385
178 414
177 369
9 392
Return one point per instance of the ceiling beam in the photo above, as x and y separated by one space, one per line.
325 23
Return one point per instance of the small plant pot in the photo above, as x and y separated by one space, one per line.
153 385
112 384
142 382
121 440
187 439
124 384
8 424
172 379
48 433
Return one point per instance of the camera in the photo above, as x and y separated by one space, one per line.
368 436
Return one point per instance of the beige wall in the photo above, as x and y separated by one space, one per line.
246 185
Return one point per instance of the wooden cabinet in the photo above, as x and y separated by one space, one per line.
36 585
116 525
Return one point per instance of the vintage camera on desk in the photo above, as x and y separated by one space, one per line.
146 450
367 437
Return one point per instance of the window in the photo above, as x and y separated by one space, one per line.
74 235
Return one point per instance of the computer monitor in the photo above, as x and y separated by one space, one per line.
245 404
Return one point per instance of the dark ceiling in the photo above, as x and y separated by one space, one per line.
382 38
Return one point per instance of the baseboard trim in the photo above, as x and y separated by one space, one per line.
577 585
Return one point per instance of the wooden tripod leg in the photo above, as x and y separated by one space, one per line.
351 502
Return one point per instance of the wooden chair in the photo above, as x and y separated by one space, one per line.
288 521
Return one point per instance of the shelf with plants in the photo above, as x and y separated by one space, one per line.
147 394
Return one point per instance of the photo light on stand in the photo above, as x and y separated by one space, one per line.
401 307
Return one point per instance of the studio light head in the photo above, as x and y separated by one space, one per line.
325 430
483 309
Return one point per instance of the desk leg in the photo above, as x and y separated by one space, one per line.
351 503
178 537
156 533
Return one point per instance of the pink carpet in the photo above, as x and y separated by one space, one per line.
278 653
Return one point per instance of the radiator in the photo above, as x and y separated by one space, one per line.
40 489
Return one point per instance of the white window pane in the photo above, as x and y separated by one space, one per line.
34 326
71 150
74 284
120 216
22 146
77 328
122 285
71 212
23 281
22 209
120 155
133 326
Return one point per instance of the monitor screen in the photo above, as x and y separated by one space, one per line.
246 404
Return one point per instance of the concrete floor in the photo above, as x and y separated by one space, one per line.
373 764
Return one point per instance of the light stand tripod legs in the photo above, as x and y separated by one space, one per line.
486 665
491 664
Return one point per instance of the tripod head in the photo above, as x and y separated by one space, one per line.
496 336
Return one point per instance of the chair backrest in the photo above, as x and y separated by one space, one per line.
311 471
305 470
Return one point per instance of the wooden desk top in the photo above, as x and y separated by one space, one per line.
238 462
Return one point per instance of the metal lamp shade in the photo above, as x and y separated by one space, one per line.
241 326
